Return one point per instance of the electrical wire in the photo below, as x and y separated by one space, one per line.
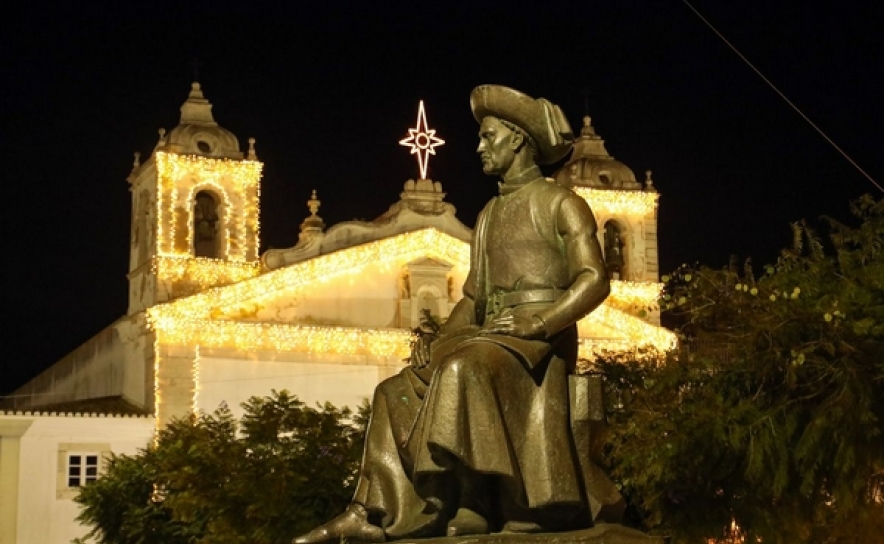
783 96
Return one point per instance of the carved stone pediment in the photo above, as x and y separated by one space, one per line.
421 206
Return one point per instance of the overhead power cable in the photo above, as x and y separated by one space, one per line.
783 96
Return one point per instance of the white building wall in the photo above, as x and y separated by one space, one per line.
46 511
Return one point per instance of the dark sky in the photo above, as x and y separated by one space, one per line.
328 92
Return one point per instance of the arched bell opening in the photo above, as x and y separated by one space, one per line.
206 225
615 251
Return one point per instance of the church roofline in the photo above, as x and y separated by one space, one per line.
423 242
81 415
421 205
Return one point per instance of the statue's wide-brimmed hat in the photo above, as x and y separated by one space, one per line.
540 118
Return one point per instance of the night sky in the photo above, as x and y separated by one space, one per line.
328 93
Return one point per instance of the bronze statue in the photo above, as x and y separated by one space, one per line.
476 436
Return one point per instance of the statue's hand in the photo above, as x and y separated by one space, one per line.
515 325
420 351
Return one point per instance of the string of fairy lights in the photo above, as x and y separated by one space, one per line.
379 344
181 177
209 318
618 203
202 273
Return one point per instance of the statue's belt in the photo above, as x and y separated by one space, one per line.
502 299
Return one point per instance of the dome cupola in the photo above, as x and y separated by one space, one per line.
198 133
590 165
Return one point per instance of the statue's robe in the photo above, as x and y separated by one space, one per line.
494 403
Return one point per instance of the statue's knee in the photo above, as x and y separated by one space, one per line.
389 388
453 365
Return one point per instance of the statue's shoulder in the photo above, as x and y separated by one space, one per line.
566 206
549 190
487 206
553 186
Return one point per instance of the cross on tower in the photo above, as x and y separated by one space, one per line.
195 64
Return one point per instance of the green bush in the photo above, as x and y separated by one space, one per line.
770 414
279 471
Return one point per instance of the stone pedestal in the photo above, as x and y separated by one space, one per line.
603 533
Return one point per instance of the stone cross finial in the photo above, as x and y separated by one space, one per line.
196 90
587 129
195 64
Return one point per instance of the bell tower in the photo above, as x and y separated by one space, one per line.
626 211
194 210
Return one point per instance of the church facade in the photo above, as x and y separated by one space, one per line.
212 321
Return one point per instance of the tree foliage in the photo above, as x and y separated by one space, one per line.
770 414
280 470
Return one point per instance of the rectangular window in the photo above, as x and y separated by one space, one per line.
82 469
78 464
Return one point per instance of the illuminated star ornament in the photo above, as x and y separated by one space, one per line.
422 140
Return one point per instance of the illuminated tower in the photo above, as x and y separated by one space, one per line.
194 210
625 210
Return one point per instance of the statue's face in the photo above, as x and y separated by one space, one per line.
497 147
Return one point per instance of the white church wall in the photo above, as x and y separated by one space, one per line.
110 364
233 381
369 299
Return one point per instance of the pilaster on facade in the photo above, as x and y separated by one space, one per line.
11 432
652 253
175 386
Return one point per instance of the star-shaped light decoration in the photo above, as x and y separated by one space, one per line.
422 140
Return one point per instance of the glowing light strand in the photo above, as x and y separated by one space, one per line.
403 248
422 140
377 343
201 272
157 398
618 203
179 177
400 248
196 381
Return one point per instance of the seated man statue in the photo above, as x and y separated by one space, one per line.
474 436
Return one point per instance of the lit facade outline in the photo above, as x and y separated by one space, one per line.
200 318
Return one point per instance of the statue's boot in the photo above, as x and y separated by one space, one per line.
468 522
352 525
473 510
522 527
554 518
